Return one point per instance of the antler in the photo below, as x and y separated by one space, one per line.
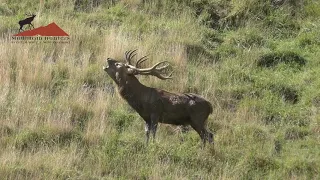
29 14
129 55
141 60
155 70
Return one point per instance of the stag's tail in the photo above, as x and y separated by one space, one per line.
210 107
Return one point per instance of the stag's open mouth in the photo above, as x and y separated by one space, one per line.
105 67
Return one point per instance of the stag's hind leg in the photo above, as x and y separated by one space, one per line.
200 130
199 127
210 137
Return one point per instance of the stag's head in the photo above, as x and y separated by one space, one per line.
124 71
31 15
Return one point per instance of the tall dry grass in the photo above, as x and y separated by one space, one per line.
61 117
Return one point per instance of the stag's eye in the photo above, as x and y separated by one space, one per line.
118 64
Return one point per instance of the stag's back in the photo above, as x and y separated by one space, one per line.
179 109
198 103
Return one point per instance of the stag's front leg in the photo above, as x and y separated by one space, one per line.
154 125
154 130
20 28
147 129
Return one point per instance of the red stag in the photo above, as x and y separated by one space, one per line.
155 105
27 21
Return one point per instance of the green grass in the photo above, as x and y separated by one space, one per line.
255 61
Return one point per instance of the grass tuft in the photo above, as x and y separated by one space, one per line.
273 59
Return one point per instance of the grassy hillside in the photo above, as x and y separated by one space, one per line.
256 61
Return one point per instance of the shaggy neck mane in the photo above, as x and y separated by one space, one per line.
131 89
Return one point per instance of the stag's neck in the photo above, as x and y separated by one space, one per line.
132 90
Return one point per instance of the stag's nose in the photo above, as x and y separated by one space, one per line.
111 61
108 63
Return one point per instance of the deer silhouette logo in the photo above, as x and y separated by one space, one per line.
27 21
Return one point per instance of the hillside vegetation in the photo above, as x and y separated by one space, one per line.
256 61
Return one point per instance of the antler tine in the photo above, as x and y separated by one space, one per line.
129 55
167 77
155 67
132 56
156 71
141 60
163 67
160 76
126 53
160 68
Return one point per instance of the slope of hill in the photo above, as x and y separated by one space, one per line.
256 61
